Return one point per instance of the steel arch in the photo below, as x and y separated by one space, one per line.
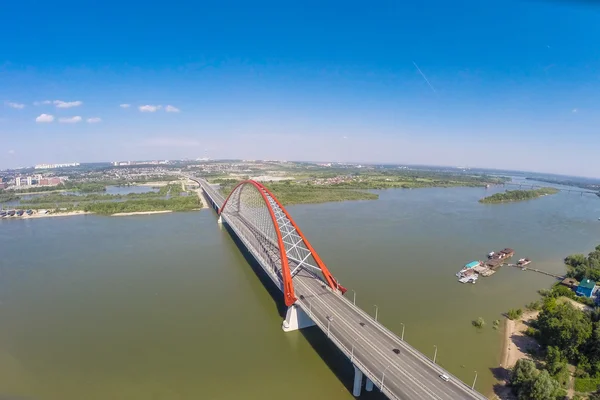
294 247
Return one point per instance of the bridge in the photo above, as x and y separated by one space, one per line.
314 297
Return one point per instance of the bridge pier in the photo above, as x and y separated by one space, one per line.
357 382
369 385
296 319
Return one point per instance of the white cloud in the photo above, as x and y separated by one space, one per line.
171 108
94 120
11 152
18 106
149 108
39 103
125 105
70 120
67 104
45 118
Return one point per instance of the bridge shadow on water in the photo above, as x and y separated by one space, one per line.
337 362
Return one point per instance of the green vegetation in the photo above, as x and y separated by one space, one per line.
581 267
531 384
566 334
518 195
587 384
7 196
534 306
479 322
514 313
337 184
182 203
298 193
168 197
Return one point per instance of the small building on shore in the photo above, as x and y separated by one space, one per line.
571 283
586 288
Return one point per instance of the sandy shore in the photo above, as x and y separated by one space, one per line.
203 198
48 215
140 213
516 342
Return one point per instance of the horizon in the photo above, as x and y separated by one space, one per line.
421 84
363 163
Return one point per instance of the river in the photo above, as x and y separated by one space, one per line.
166 306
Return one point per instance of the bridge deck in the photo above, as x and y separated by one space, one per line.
399 370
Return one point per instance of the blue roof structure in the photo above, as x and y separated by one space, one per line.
472 264
586 288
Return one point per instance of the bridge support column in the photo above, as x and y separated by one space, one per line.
357 382
369 385
296 319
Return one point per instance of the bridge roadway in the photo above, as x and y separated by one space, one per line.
395 367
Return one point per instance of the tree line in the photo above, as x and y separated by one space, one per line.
518 195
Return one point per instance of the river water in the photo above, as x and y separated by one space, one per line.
167 307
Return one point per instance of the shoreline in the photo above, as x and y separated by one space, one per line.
514 345
515 339
48 215
126 214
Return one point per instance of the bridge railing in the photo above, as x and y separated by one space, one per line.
404 344
377 381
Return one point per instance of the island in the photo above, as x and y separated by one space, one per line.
518 195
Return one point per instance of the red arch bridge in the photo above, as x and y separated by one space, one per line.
314 297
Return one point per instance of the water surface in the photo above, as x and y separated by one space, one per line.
166 306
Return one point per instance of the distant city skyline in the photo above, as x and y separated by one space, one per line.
508 85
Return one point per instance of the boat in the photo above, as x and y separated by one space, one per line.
523 262
19 213
491 254
468 279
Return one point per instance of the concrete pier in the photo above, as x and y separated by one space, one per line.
296 319
357 382
369 385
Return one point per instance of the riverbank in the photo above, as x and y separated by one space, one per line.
48 215
125 214
516 342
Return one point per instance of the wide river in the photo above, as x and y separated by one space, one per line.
167 307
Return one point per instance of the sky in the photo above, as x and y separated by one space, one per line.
494 84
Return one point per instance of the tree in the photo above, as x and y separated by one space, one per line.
575 260
543 387
566 328
514 313
523 373
479 322
555 360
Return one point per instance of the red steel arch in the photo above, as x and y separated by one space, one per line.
288 285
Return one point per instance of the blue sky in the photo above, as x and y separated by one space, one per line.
511 84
